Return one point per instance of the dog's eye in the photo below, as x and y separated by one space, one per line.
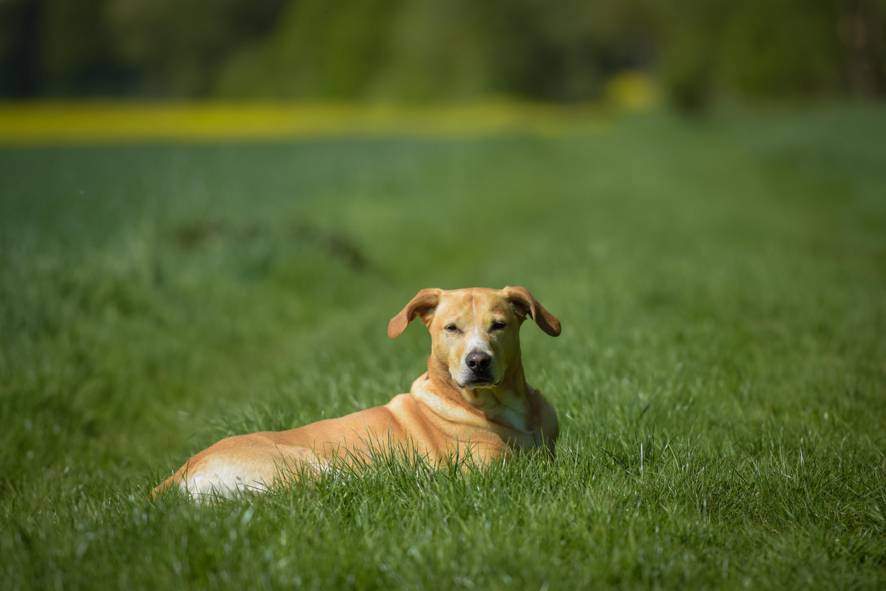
497 325
451 328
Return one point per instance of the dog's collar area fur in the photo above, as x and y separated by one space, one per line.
473 407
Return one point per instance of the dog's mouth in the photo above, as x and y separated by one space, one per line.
480 382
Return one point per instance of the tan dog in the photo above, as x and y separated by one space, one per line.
472 400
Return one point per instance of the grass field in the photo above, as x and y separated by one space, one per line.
720 380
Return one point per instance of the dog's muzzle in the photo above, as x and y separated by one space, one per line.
479 363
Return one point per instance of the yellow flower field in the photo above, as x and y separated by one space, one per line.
125 121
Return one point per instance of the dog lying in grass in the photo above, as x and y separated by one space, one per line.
473 400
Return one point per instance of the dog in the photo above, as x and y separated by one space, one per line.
473 400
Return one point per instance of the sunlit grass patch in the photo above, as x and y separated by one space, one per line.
720 377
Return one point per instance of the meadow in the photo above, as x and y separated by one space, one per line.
720 379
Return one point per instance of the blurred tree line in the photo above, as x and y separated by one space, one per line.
439 49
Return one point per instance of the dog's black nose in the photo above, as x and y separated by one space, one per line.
478 361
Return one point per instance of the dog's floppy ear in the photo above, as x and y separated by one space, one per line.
526 305
422 304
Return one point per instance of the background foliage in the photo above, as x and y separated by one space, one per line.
440 49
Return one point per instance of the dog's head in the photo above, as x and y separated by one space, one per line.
475 332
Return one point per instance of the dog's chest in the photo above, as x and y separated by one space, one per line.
512 418
521 431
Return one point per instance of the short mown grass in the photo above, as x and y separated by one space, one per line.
719 381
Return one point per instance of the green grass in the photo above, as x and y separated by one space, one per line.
719 381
